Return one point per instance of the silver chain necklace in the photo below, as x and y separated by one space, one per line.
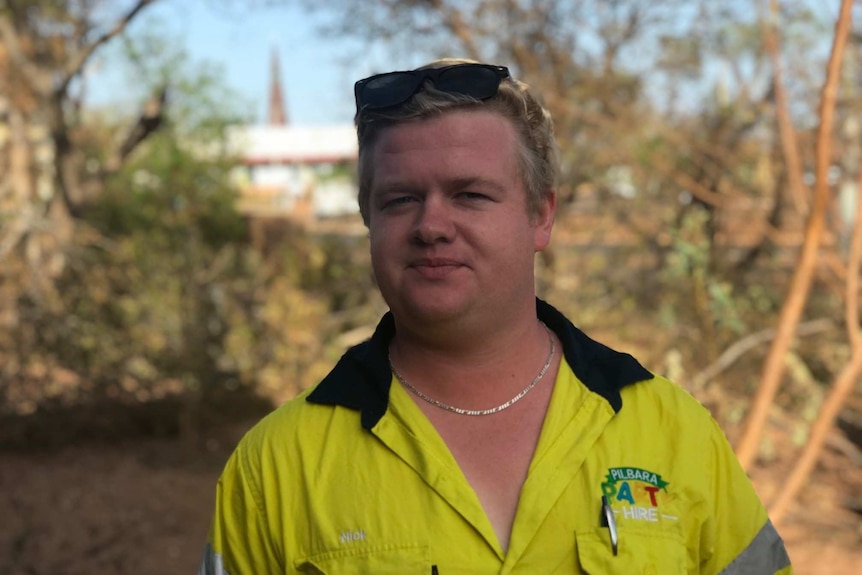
492 410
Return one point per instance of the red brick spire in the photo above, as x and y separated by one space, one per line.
277 115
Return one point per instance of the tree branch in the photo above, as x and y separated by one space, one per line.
851 315
786 131
150 119
749 342
455 22
800 284
77 63
660 162
39 79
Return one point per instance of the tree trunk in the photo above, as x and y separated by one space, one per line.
843 385
800 285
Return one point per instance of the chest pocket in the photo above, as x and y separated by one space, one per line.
378 560
638 553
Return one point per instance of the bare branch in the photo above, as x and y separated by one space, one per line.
695 187
851 316
800 284
831 407
151 118
786 131
217 267
39 80
17 229
749 342
77 63
453 20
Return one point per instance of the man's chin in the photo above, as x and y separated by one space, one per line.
432 312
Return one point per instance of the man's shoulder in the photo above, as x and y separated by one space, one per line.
662 421
288 424
665 401
660 388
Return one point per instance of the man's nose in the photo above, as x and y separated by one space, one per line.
434 222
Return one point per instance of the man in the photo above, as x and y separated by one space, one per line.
478 431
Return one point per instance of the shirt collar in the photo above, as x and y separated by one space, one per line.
361 378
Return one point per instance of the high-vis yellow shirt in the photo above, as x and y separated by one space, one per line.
631 475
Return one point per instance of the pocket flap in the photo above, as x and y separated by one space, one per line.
383 559
638 552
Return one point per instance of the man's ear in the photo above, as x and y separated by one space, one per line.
543 220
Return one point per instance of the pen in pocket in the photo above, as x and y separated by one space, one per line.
609 522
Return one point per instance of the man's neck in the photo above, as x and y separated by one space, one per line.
473 366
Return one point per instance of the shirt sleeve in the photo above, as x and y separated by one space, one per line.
738 537
240 541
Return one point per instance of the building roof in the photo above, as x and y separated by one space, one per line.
294 144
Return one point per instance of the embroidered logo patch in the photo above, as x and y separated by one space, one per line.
637 493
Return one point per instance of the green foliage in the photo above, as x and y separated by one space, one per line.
690 254
177 184
162 294
167 193
689 262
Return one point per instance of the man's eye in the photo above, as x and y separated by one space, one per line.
398 201
473 196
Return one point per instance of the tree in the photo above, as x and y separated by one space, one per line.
804 272
44 49
145 250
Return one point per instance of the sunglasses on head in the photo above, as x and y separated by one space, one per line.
479 81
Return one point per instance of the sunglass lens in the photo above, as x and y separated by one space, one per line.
388 90
478 82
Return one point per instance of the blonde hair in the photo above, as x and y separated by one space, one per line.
537 149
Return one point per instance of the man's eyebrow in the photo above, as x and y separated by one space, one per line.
401 187
471 181
394 187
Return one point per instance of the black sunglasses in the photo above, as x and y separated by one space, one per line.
479 81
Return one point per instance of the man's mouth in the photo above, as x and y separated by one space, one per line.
435 268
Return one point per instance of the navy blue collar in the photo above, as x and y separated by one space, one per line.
361 378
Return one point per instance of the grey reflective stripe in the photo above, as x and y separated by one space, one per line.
765 554
211 563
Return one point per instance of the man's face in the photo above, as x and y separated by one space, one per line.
450 231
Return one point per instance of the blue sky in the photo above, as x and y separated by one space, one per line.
318 89
317 82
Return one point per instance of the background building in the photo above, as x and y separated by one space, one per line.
305 173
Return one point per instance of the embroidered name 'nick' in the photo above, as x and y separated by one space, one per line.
351 536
